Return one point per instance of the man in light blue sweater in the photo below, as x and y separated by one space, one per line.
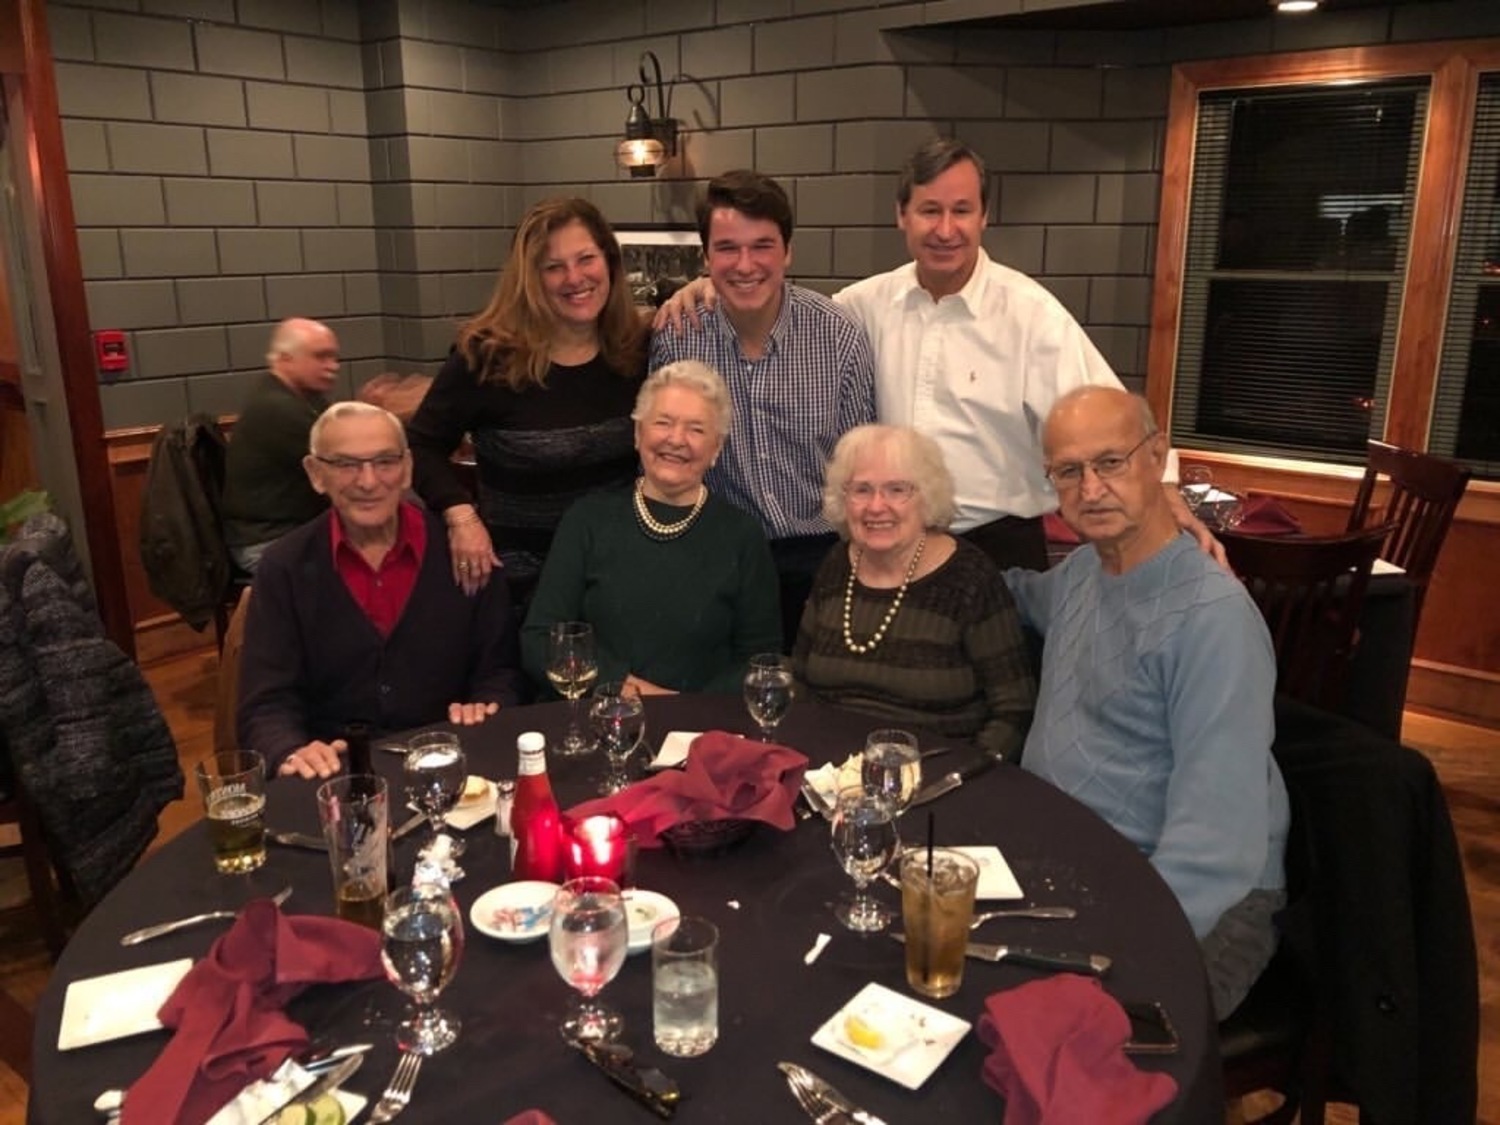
1157 677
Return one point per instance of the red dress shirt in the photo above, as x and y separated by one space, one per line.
383 593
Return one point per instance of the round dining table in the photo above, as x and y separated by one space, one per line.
770 897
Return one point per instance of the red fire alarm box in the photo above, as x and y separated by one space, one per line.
110 350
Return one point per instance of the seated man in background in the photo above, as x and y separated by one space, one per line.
266 492
355 617
1157 679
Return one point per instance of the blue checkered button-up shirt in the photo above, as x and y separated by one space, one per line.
815 381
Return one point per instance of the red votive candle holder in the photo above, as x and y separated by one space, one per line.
596 845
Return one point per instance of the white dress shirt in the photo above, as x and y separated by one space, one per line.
977 371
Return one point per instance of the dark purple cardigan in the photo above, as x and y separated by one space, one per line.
313 662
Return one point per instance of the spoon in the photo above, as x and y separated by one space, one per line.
1024 912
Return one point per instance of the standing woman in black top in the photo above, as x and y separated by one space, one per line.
543 380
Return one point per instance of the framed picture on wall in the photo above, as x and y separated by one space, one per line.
659 259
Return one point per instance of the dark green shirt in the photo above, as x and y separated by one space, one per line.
266 490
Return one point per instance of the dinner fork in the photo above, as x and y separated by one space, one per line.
809 1099
398 1094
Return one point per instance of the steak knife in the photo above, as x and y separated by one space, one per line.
1066 961
952 780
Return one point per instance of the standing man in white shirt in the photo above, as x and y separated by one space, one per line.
972 353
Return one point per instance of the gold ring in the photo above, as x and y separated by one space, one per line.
463 566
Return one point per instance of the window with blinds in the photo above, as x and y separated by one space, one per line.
1466 410
1296 249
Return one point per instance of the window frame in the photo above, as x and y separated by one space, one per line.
1453 69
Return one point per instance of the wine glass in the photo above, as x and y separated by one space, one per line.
588 938
618 717
421 943
1195 484
572 668
768 691
892 766
865 840
435 769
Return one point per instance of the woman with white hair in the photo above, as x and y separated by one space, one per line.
906 621
677 583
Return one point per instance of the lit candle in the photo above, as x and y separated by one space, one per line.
597 846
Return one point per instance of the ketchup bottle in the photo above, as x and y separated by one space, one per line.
535 822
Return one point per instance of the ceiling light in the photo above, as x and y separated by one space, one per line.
1296 5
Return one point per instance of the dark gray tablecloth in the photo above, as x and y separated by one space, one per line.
770 899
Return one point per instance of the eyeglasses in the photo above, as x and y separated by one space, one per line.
1069 474
348 468
896 492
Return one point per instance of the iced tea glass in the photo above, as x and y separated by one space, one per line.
937 906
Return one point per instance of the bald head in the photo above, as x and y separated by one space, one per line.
304 355
1095 408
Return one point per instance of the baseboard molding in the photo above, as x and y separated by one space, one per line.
1465 695
168 635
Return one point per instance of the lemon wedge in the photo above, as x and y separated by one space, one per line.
863 1034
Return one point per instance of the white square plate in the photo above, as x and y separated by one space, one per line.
674 749
117 1005
915 1038
466 814
995 878
261 1098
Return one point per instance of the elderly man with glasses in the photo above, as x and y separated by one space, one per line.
354 616
1154 707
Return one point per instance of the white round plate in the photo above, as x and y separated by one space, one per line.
643 910
514 911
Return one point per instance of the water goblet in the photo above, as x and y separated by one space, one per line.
768 691
892 765
865 841
618 717
572 667
588 939
435 769
421 944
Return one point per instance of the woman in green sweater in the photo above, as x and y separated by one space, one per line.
905 621
677 583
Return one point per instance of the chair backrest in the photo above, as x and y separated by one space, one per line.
227 698
1425 492
1310 592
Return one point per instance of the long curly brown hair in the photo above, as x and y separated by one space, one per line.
510 339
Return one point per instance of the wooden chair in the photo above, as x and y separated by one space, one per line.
227 698
53 901
1310 592
1425 492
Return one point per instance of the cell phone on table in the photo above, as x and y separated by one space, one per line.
1151 1029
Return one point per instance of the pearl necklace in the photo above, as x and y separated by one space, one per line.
653 526
890 615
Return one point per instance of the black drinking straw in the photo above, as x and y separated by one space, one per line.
931 895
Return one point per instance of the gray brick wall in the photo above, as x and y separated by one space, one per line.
366 162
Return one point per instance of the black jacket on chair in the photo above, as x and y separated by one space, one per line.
1382 921
182 534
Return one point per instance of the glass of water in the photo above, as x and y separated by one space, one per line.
588 939
892 766
685 985
421 944
618 717
435 769
768 691
865 841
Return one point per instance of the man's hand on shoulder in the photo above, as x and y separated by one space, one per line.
314 760
471 714
680 310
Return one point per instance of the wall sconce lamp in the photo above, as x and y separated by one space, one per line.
649 141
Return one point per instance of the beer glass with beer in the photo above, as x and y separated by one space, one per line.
937 905
355 811
233 785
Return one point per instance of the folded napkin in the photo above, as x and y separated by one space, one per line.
1056 1056
726 778
1264 515
227 1011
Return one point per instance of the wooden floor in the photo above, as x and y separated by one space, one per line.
1467 759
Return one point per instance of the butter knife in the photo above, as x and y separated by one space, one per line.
304 840
330 1080
409 825
1066 961
952 780
815 800
827 1094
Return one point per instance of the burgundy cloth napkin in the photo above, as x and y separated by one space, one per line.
227 1011
1056 1056
1264 515
726 778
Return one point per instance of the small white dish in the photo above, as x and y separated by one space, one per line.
466 814
261 1098
117 1005
517 912
915 1038
674 749
643 910
995 877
